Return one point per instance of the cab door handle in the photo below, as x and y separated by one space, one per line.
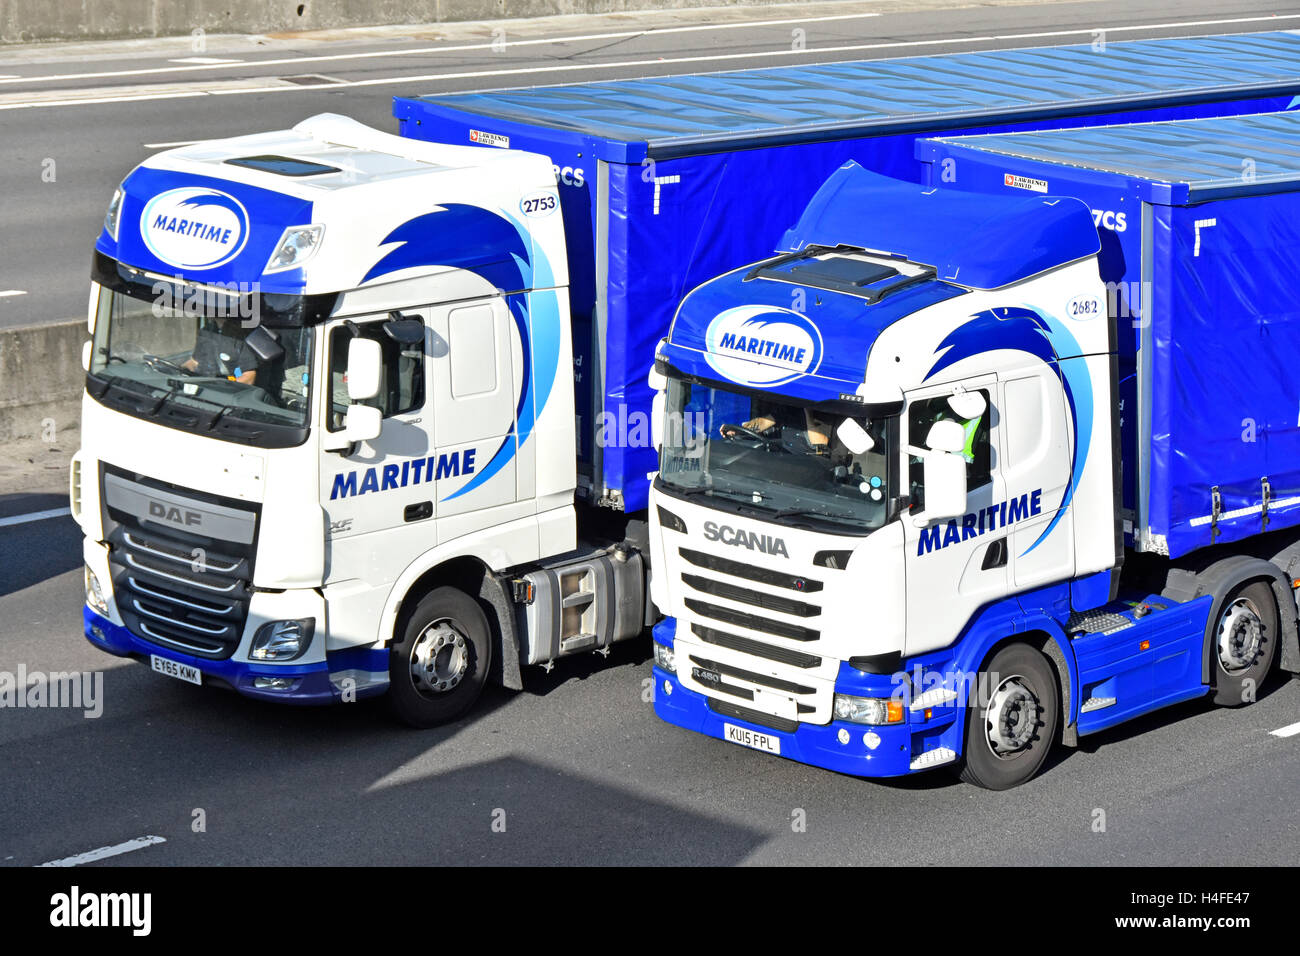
418 512
995 555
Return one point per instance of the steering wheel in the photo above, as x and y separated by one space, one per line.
731 432
162 365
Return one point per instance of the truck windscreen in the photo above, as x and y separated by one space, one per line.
199 372
759 454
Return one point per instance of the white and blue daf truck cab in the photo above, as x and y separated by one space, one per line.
326 441
887 526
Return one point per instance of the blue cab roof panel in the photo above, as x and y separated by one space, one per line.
1175 162
679 115
741 329
1019 236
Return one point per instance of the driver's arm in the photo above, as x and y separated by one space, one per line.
760 424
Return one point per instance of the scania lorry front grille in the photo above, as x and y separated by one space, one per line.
751 615
754 648
767 602
711 562
751 622
728 709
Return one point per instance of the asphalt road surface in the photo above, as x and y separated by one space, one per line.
575 769
578 768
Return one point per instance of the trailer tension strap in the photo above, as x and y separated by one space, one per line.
1267 492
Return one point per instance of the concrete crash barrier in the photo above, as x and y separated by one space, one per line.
40 378
26 20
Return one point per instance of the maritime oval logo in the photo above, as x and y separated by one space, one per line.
762 345
194 227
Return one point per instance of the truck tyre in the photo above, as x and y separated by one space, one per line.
1011 728
1243 643
439 664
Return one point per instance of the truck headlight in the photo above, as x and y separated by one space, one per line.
95 598
877 711
114 213
296 246
282 640
665 658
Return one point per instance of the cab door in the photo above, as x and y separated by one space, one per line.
378 487
954 566
477 377
1037 471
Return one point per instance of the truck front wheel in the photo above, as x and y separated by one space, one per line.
439 664
1012 725
1244 643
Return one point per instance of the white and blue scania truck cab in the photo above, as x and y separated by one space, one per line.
326 429
889 525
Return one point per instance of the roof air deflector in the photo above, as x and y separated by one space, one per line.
283 165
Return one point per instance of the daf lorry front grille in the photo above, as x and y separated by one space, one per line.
176 588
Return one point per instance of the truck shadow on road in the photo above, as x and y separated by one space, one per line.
340 785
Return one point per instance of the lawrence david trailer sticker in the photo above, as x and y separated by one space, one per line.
762 346
194 227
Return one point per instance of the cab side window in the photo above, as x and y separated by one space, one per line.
402 380
977 452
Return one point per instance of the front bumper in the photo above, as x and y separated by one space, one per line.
322 682
910 747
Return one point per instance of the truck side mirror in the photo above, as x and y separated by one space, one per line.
658 409
404 330
947 435
365 369
658 382
854 437
966 404
364 423
945 486
265 344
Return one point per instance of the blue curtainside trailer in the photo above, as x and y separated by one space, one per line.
1200 233
667 182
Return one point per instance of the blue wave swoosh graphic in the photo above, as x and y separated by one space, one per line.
541 352
467 237
1025 330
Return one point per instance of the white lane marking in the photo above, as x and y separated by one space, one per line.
35 516
205 60
7 293
184 142
104 852
458 48
90 101
614 64
1288 731
10 76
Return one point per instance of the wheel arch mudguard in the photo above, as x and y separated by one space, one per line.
1218 579
1007 622
468 572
